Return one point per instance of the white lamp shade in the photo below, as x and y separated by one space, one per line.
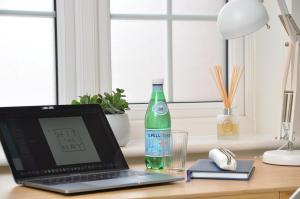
241 17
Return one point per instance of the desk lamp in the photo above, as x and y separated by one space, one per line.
242 17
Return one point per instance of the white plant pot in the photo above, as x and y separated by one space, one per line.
120 127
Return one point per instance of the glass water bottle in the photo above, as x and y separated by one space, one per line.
157 125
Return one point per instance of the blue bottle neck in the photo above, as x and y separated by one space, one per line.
157 87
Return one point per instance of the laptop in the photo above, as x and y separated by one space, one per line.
67 149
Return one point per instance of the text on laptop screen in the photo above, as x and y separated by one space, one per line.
69 140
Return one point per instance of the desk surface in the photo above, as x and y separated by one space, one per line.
266 179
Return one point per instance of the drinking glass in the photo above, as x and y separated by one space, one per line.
175 150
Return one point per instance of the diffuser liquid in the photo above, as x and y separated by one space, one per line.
227 126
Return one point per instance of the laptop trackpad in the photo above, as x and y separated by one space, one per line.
111 183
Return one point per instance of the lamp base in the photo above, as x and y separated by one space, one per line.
282 157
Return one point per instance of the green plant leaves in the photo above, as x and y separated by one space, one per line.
111 103
75 102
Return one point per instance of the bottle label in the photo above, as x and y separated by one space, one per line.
160 108
227 125
157 142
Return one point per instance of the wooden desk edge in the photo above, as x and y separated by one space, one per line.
245 192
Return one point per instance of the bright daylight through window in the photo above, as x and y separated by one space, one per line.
27 52
176 40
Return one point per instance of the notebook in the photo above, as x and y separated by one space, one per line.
67 149
207 169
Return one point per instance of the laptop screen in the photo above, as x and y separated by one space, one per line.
45 140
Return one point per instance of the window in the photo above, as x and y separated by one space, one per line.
94 36
176 40
27 52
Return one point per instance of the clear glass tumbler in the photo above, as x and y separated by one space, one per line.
175 151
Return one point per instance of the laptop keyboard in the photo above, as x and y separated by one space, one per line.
88 177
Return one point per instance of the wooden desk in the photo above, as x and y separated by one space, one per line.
267 182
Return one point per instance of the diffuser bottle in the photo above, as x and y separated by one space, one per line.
227 125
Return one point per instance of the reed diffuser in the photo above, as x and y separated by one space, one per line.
227 123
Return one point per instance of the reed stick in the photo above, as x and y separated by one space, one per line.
227 96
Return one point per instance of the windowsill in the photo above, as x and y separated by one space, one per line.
201 144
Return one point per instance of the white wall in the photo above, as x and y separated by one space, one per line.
270 58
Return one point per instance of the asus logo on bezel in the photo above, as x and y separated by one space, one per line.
47 108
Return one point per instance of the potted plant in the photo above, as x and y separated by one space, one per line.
113 105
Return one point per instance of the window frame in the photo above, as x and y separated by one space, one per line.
46 14
169 18
81 73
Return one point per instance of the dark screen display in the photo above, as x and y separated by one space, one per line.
60 139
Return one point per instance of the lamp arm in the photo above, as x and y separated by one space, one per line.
284 13
283 7
288 21
289 94
295 90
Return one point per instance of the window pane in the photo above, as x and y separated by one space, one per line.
138 54
138 6
32 5
197 46
197 6
27 61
